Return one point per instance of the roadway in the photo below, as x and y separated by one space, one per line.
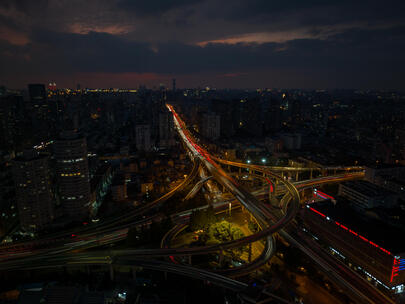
244 197
359 289
268 225
21 249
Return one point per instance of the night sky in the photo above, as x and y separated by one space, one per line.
219 43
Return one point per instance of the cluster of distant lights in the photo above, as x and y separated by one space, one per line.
42 145
70 174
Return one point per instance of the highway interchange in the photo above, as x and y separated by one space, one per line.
19 256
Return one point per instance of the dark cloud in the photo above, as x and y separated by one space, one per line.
152 7
108 53
338 42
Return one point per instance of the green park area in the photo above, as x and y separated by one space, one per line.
208 228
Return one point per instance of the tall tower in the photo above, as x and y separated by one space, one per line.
166 134
211 125
73 173
174 84
33 190
142 137
37 92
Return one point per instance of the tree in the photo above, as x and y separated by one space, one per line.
224 231
202 219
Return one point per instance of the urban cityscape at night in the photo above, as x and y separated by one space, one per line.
202 151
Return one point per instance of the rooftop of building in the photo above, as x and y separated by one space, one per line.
368 189
70 135
393 179
30 155
371 228
384 166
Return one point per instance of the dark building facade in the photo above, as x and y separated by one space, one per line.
73 174
33 190
372 247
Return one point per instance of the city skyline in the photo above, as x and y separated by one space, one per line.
202 151
203 43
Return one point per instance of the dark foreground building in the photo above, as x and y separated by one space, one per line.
33 190
73 174
373 247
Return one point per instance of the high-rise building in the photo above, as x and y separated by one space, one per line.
365 195
247 117
225 109
37 92
73 173
11 122
142 137
291 141
166 136
33 190
174 84
40 112
211 125
366 244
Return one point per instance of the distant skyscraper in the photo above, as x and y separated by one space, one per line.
247 117
211 125
37 92
73 173
166 138
142 137
33 190
174 84
225 109
11 121
39 111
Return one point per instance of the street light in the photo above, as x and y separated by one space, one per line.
248 161
263 160
230 208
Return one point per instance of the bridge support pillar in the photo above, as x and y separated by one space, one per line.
111 273
189 259
221 258
240 170
250 253
310 175
296 176
270 197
